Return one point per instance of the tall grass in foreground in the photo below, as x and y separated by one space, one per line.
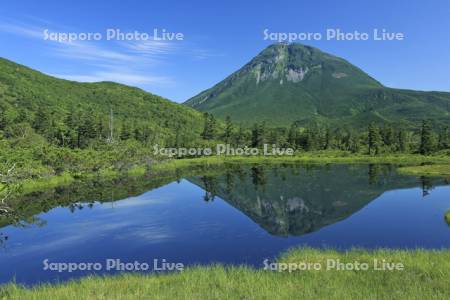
426 275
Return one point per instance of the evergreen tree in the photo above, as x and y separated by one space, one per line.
262 134
328 139
279 137
229 129
72 122
125 132
259 135
345 141
388 136
272 136
89 128
427 141
292 138
42 120
146 133
312 139
240 137
213 126
61 137
443 140
205 133
209 127
3 119
403 145
255 135
354 143
374 139
178 138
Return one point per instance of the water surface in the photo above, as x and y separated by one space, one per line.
234 215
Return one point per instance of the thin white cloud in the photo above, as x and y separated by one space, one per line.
90 51
142 52
128 62
22 30
85 50
151 47
204 54
125 78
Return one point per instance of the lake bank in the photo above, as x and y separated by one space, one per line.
435 166
425 275
426 170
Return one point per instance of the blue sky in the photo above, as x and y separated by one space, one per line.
220 37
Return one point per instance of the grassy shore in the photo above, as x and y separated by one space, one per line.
426 275
436 165
428 170
33 185
316 157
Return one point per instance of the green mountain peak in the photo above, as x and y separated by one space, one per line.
288 83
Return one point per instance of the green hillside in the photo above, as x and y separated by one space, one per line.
26 95
50 126
295 83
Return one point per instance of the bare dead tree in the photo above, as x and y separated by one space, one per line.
6 188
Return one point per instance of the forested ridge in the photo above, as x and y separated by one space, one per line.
50 126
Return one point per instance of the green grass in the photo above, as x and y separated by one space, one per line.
429 170
31 185
440 165
316 157
137 171
320 157
447 217
426 275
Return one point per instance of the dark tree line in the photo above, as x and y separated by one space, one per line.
81 128
373 140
